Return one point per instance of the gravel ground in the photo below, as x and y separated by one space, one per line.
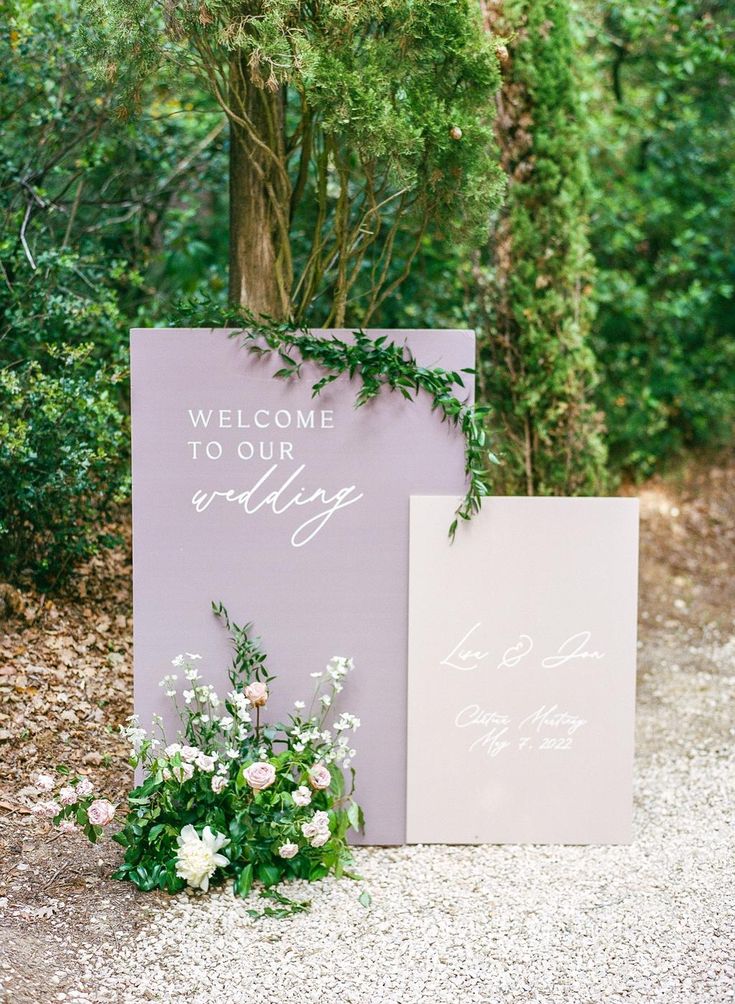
647 922
456 925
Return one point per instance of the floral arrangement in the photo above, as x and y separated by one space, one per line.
235 797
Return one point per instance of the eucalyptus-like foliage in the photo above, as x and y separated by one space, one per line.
538 371
365 121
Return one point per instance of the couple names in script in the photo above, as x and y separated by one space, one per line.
280 488
547 727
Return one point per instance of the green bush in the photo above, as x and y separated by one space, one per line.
62 463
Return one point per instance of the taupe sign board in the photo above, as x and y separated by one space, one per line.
522 658
293 511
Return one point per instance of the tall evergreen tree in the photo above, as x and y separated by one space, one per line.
537 368
352 123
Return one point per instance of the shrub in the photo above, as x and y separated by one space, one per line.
62 462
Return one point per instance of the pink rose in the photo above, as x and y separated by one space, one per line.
68 795
319 777
43 782
47 810
67 826
288 850
84 787
257 694
260 775
219 783
100 812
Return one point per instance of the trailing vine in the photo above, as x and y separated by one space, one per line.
377 363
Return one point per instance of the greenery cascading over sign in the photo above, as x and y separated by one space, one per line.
377 363
537 369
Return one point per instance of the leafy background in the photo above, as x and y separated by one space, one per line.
113 207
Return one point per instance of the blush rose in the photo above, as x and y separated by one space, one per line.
260 775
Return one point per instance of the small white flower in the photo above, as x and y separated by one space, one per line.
299 747
315 676
326 700
188 696
299 705
226 724
232 754
170 693
191 674
193 656
178 661
197 858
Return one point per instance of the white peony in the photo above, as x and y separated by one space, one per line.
197 858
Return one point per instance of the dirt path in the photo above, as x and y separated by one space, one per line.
66 686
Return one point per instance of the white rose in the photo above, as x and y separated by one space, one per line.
189 753
172 749
302 795
309 829
219 783
322 820
44 782
85 787
320 839
205 762
182 772
288 850
197 858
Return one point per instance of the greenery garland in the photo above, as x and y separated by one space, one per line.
378 363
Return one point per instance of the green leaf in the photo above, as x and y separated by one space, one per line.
365 899
244 881
268 874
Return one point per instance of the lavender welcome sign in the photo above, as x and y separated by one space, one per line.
294 513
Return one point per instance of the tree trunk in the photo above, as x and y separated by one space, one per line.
260 253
